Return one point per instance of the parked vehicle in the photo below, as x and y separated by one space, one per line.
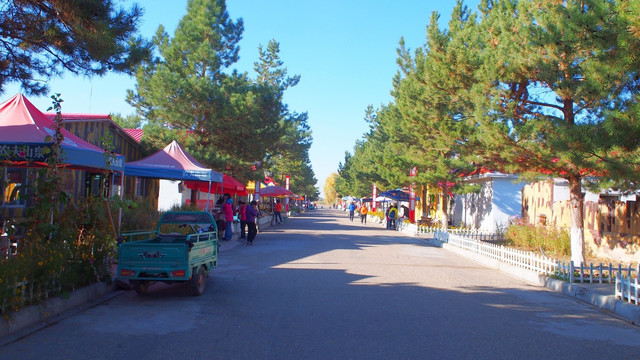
183 248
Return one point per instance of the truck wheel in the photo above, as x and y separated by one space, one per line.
199 281
141 287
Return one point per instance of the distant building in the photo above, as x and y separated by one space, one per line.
499 199
98 128
611 219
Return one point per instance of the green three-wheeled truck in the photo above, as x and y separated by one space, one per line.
183 248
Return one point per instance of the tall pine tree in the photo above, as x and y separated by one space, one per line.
551 69
432 96
185 92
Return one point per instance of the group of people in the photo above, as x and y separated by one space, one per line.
247 216
362 211
391 214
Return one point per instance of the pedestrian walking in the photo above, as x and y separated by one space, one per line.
251 214
227 209
352 210
363 214
391 218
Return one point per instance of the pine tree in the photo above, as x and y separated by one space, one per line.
187 91
287 152
551 70
41 39
434 132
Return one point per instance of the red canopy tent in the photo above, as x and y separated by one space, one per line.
229 185
26 137
274 191
172 162
23 136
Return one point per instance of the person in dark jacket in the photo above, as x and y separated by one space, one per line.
242 215
251 214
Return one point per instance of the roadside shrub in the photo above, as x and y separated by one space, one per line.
184 207
138 215
62 245
57 257
550 240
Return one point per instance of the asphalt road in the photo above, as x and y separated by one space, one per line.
322 287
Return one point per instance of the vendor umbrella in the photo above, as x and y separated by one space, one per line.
397 195
274 191
296 197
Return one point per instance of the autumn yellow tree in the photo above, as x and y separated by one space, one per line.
329 189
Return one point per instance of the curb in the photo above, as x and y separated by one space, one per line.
621 309
609 303
35 317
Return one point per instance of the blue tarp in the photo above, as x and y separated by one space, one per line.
397 195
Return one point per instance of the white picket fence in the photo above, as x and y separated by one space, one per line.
627 286
601 273
625 278
520 258
467 233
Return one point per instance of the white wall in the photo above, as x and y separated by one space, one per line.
507 202
499 199
471 210
168 195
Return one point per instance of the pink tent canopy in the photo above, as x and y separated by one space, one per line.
274 191
174 163
23 137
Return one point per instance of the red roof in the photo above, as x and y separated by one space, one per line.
69 118
72 117
136 134
22 124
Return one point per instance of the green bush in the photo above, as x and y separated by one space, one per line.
138 215
55 258
63 245
551 241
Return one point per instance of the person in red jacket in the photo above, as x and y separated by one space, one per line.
242 215
276 212
227 209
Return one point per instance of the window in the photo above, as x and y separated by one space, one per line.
117 185
14 186
97 184
141 187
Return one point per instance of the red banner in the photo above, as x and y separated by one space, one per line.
373 199
412 195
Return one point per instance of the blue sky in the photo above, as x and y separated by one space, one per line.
344 51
